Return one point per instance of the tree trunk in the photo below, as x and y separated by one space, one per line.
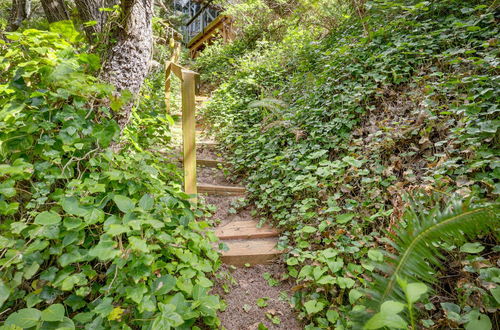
128 61
21 10
55 10
88 10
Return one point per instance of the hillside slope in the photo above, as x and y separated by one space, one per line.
334 131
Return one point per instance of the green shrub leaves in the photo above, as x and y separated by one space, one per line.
89 237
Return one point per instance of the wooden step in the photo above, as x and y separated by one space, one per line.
244 230
212 189
200 98
206 143
250 251
207 162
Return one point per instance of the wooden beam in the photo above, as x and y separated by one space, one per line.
189 131
209 162
245 229
207 144
220 190
213 25
253 251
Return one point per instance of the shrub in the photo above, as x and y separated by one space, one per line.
90 236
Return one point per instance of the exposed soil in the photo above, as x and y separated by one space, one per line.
240 288
212 175
248 286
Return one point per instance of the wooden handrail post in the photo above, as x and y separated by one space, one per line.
189 130
188 89
168 71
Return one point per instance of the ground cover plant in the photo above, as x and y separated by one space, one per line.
336 130
95 231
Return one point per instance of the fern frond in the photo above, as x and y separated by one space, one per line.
268 103
417 255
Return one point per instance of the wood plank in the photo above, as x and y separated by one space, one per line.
252 251
245 230
212 189
207 144
212 26
209 162
189 131
202 98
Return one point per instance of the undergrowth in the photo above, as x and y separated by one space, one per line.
401 101
95 231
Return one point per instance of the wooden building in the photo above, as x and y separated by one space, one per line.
204 24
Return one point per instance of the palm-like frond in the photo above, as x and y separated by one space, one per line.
417 255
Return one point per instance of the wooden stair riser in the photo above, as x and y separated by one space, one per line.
250 252
244 230
208 162
220 190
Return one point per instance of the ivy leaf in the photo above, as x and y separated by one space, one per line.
105 307
24 318
332 316
479 321
138 244
4 293
116 314
471 248
117 229
146 202
344 218
387 317
71 205
414 291
124 203
375 255
47 218
354 295
104 250
136 293
53 313
313 306
164 284
345 282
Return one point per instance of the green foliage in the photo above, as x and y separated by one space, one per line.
95 231
401 100
416 256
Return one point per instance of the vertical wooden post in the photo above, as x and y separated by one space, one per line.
189 131
176 52
168 71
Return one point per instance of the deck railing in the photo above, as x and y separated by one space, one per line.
199 22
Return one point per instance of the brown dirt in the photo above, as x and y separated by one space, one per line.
248 286
213 176
240 288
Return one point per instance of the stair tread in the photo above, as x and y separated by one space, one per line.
244 229
207 143
212 188
209 162
251 247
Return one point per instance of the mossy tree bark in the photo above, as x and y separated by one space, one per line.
128 61
88 10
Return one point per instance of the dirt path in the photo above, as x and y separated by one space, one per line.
254 295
